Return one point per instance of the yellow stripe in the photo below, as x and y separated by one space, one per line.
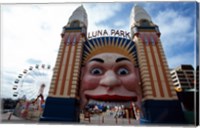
60 79
91 46
120 44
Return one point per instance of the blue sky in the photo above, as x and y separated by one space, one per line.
30 33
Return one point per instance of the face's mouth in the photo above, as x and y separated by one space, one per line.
111 100
107 97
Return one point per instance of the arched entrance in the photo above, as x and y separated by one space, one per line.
109 81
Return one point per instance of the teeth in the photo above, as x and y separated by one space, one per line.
111 104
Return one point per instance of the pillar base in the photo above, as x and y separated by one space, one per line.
162 112
61 110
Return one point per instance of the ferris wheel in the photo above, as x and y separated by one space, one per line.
33 82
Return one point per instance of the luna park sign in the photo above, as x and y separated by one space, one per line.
112 32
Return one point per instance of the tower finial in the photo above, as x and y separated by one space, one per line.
79 15
137 14
135 4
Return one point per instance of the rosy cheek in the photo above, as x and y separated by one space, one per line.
90 82
130 82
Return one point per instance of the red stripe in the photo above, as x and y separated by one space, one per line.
78 39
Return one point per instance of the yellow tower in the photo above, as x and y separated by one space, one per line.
159 96
62 103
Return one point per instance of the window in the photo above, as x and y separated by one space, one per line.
135 30
175 81
152 40
144 23
176 85
74 24
68 40
157 29
83 30
172 73
146 40
74 40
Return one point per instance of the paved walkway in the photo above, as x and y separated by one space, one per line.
108 120
7 118
94 120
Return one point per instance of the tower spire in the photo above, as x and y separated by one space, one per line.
79 15
138 14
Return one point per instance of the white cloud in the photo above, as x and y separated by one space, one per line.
7 79
119 23
98 13
30 32
174 26
185 58
176 33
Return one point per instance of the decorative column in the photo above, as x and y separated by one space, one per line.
159 102
62 104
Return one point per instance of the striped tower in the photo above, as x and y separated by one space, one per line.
159 103
62 103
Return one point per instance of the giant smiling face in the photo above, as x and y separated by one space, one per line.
110 77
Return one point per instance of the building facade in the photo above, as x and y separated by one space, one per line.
183 77
185 80
154 70
64 90
159 99
157 86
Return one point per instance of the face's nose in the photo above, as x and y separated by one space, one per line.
110 79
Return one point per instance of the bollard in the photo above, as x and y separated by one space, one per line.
10 116
129 120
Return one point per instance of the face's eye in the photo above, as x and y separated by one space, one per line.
122 71
96 71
